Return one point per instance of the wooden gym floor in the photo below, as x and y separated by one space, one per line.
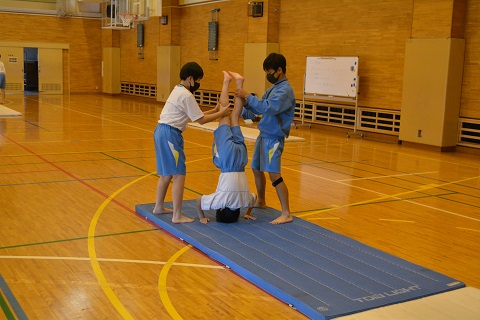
72 168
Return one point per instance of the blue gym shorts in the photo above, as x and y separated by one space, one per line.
267 154
169 150
2 81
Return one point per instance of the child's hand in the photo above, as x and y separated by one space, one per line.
204 220
225 111
242 93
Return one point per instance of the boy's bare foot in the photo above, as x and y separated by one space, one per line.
239 79
283 219
204 220
249 217
226 76
182 219
162 210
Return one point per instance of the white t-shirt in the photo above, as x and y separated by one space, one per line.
180 107
2 67
232 192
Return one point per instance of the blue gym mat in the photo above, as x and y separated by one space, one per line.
320 273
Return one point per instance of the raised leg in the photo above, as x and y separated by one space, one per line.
238 105
224 101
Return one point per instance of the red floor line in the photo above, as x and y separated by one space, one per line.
72 176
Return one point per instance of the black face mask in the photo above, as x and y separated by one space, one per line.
271 78
195 86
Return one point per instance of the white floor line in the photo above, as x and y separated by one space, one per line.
387 195
389 176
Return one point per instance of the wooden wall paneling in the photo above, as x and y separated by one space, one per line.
432 19
375 31
85 45
458 19
470 106
273 11
259 28
232 37
176 23
136 70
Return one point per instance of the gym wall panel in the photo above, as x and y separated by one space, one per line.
83 37
134 70
431 93
470 105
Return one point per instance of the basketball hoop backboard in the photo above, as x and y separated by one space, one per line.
121 14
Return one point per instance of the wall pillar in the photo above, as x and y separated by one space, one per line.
433 72
263 39
168 51
111 61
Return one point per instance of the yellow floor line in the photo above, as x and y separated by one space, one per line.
162 284
393 220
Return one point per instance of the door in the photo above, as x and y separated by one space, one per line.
12 58
31 69
50 70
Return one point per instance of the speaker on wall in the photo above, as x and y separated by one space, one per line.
213 36
255 9
140 35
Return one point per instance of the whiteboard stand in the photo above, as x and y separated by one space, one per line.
302 109
357 119
302 116
334 79
355 122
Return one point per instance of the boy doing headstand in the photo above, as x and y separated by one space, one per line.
230 156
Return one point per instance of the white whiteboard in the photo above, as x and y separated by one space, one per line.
332 76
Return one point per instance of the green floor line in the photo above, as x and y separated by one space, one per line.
6 310
75 239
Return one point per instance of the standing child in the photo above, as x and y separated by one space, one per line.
2 80
230 156
179 108
277 108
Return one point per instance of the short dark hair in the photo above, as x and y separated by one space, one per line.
191 69
275 61
227 215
